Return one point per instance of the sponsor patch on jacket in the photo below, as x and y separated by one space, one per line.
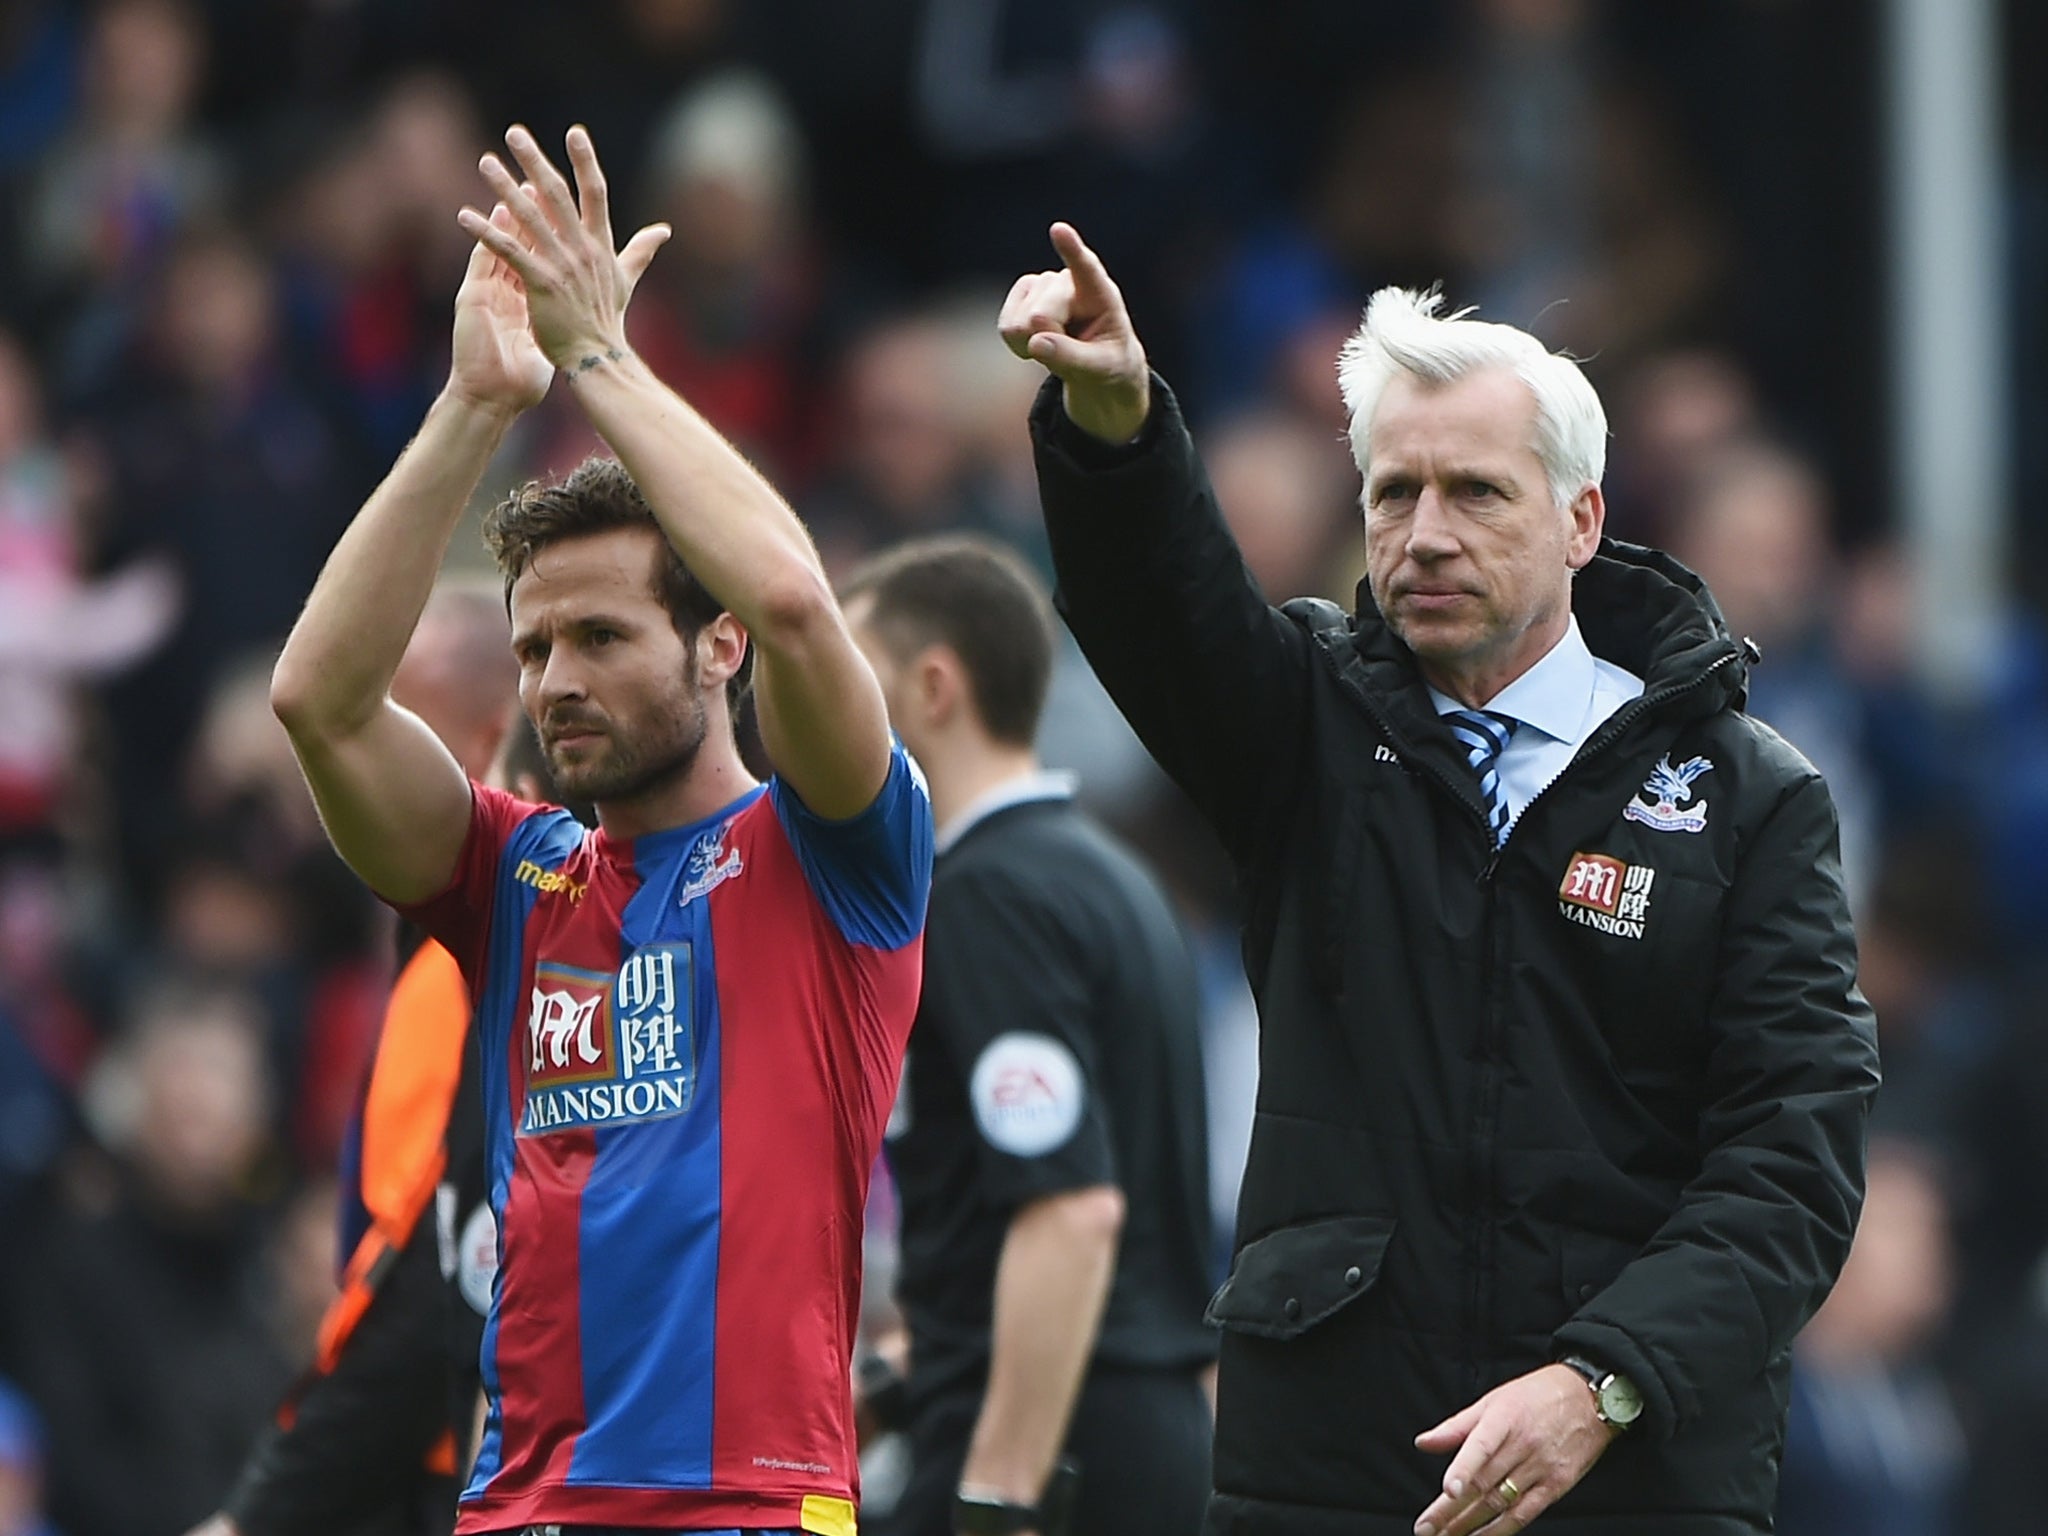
605 1048
1602 893
1665 803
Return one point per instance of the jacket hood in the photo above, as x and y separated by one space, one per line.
1636 606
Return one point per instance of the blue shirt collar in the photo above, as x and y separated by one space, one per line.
1552 696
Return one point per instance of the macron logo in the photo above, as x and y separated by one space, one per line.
549 882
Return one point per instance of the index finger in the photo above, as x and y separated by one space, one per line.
1473 1490
591 189
1092 282
540 170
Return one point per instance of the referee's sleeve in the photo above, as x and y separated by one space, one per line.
1011 990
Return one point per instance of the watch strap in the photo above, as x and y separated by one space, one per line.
985 1515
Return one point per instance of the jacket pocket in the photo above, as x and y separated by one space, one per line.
1288 1281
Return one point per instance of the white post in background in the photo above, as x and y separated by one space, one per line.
1950 368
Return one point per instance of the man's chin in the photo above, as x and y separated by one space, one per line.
1438 638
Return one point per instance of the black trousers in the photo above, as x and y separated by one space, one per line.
1141 1439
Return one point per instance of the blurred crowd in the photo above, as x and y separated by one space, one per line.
227 251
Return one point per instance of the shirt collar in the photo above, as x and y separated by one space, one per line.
1553 696
1022 790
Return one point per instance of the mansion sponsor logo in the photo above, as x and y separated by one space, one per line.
604 1048
1602 893
549 882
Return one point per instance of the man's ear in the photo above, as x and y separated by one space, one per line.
1588 513
939 684
721 648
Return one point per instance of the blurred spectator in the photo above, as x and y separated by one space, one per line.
1753 523
370 251
1289 494
903 460
146 1352
222 465
56 628
1925 965
726 312
302 1261
1873 1447
21 1467
130 174
1675 411
39 68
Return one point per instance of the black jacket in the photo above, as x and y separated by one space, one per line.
1510 1106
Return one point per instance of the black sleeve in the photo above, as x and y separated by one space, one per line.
1010 990
360 1433
1213 679
1764 1227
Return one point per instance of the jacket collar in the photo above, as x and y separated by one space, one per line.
1637 607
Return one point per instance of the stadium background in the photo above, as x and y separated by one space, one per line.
227 249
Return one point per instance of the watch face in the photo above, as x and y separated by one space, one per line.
1620 1402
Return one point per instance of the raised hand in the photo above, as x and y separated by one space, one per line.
1519 1449
559 242
1075 323
495 362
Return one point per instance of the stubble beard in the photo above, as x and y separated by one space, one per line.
630 768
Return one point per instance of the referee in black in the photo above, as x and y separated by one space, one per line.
1049 1143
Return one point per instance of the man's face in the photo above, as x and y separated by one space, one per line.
893 676
615 693
1468 557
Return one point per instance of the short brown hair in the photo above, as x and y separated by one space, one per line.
979 598
596 497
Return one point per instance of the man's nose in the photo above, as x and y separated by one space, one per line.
560 678
1432 533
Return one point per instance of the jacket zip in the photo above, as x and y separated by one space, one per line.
1611 731
1488 1089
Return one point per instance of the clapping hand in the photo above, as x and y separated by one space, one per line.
495 363
559 242
1075 323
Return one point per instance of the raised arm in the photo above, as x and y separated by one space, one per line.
821 712
394 801
1212 678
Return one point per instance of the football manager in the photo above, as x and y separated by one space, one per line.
1564 1069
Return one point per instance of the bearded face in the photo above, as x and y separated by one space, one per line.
617 696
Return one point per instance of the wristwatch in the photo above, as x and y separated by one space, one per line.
1615 1398
983 1514
986 1514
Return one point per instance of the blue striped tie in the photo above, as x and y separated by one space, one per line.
1484 736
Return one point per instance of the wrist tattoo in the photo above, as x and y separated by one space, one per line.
592 360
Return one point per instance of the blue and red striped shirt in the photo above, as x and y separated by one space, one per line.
691 1041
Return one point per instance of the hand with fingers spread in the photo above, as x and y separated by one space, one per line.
1074 322
1519 1449
558 240
495 362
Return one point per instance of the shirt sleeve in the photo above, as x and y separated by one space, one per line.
460 915
1009 996
872 872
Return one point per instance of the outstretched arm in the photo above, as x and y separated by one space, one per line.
1213 679
394 801
821 711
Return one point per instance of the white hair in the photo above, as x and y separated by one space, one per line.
1403 333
